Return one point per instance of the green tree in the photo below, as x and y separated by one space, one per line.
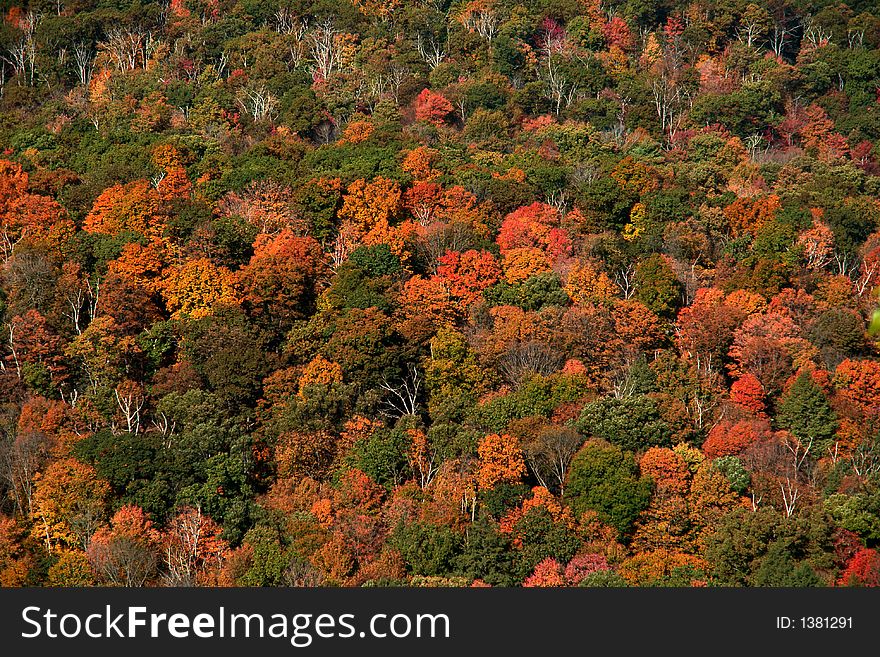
605 479
656 285
633 423
806 412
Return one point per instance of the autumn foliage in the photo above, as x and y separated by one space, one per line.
439 294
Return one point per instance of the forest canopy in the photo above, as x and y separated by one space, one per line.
430 293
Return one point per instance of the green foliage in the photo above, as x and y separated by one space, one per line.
806 412
605 479
383 456
732 468
426 549
656 286
534 293
632 423
604 579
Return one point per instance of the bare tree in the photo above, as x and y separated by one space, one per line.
483 21
403 398
23 53
300 572
123 560
549 453
191 547
84 61
258 102
11 328
524 360
624 279
815 34
429 50
129 49
671 101
23 455
130 400
790 494
324 51
868 272
799 453
779 39
865 459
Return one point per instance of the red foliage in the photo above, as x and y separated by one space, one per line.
729 438
534 226
748 393
862 570
432 107
583 565
547 573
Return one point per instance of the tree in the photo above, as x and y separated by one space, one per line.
14 562
549 451
281 282
501 460
806 412
656 286
605 479
862 570
632 423
588 285
193 551
135 207
548 573
535 226
858 381
198 288
730 438
69 504
432 107
468 274
127 552
748 393
705 329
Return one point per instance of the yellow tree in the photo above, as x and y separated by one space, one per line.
69 504
198 288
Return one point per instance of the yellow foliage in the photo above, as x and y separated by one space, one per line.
198 287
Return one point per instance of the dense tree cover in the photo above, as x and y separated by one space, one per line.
371 292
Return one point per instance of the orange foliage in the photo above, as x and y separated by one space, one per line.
649 567
731 438
283 276
668 470
371 204
142 266
300 454
319 371
135 207
419 163
357 132
501 460
859 381
748 215
523 263
468 274
534 226
587 284
428 300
